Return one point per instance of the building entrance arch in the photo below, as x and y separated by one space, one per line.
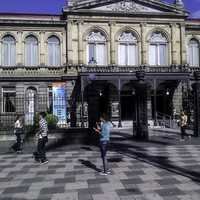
101 97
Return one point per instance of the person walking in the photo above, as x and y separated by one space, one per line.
104 130
183 124
18 130
42 139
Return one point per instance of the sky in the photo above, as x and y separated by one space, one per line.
55 6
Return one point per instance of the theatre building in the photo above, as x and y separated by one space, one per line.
136 60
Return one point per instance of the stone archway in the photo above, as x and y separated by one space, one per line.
100 96
128 102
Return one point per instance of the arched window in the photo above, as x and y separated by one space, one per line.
96 48
31 51
54 51
127 49
193 53
8 51
158 49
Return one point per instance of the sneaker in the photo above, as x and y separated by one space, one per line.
19 151
103 173
108 171
44 162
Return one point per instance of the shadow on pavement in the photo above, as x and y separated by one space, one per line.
88 164
163 162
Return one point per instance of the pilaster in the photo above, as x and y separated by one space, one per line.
42 48
183 44
112 43
69 42
19 49
143 44
173 44
80 42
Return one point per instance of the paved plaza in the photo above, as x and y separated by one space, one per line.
161 169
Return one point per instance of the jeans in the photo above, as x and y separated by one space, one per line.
17 145
103 148
41 152
183 133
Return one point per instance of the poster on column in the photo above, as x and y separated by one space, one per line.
59 103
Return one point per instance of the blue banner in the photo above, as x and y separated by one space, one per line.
60 103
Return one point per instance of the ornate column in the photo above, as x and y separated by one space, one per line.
82 104
69 42
80 42
42 48
155 101
93 105
141 99
112 43
143 44
173 44
19 49
119 103
196 89
183 45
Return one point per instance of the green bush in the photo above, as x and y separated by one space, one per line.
52 120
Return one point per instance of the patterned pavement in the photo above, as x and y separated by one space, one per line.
161 169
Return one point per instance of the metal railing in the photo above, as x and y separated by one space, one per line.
166 121
28 107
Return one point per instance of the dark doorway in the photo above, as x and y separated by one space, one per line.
128 106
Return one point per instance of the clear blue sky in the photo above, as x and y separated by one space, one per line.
55 6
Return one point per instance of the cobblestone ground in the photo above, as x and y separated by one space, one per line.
155 170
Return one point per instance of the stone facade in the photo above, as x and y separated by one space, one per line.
72 28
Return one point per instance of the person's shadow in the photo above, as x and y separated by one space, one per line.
90 165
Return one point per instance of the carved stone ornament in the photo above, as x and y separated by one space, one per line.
127 37
158 38
127 6
96 36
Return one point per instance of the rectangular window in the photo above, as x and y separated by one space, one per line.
162 55
100 54
152 55
91 51
122 54
9 100
131 54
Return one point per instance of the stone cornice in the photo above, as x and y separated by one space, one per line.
31 22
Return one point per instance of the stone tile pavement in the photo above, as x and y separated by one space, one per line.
161 169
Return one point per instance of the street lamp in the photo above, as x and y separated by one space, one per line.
167 92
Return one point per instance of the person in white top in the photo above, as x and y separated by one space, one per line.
18 130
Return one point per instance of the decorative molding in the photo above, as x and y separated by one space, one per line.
96 36
127 6
127 37
158 38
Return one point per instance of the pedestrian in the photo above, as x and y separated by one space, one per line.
104 130
42 139
183 124
18 131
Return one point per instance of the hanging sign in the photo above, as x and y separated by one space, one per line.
59 102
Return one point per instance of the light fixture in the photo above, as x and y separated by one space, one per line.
100 93
133 92
167 92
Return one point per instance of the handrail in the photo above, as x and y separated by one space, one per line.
165 120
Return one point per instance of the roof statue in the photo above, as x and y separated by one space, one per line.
179 3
